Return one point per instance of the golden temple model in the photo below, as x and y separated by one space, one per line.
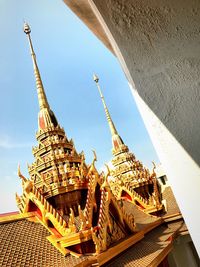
130 179
70 199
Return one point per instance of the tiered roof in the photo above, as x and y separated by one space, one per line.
71 200
23 242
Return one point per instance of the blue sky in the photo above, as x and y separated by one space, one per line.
67 54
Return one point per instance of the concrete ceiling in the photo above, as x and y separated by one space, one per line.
83 10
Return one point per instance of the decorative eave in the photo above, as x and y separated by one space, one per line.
42 133
122 149
38 150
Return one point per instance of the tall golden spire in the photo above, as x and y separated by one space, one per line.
110 122
46 117
43 103
117 142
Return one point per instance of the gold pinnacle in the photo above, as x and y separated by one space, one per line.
110 122
43 103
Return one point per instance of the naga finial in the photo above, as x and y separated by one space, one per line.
92 166
95 157
108 170
18 199
20 174
105 183
154 166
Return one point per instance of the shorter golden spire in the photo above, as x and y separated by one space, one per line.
43 103
110 122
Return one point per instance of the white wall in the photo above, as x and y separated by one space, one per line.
158 46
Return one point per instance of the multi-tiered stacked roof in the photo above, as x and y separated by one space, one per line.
69 198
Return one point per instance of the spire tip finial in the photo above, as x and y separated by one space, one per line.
95 78
27 28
